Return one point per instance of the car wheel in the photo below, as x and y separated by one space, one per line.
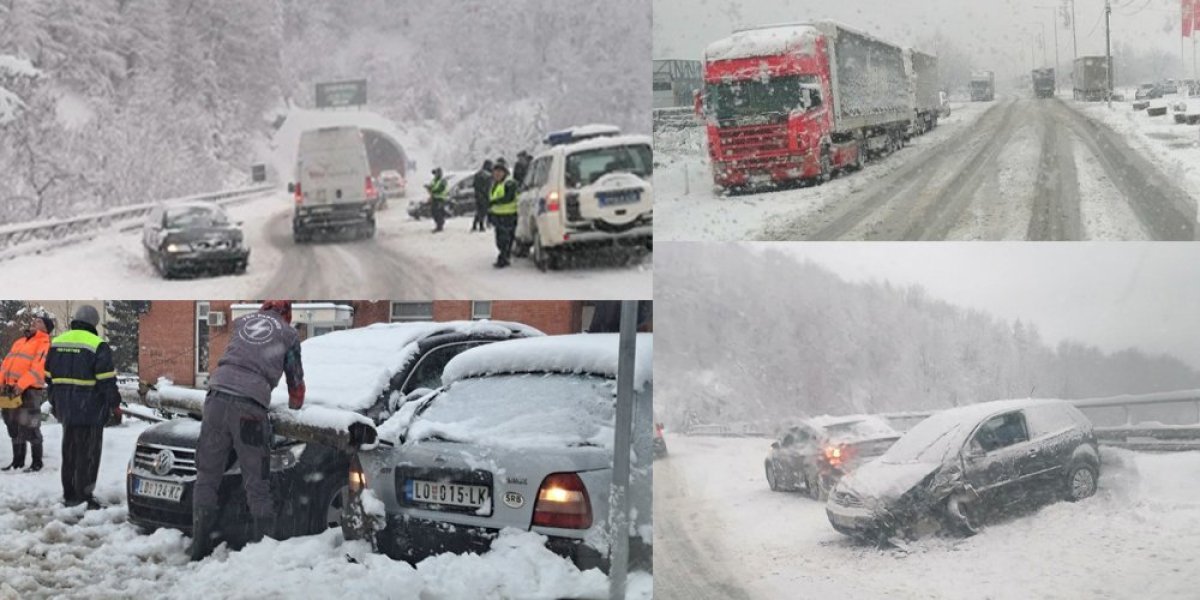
369 230
812 487
961 515
1081 481
771 480
541 257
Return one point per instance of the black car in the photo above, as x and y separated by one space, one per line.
815 453
308 480
460 198
961 467
193 237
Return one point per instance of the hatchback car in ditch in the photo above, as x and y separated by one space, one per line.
195 238
590 188
371 371
521 437
814 454
963 466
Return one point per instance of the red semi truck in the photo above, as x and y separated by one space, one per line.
792 102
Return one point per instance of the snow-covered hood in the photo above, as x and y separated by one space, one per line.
886 482
349 369
593 353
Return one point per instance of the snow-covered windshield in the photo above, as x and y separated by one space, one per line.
523 411
931 441
187 217
752 97
585 167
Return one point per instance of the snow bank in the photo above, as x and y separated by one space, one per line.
17 67
349 369
581 353
766 41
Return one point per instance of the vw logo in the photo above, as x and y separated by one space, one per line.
514 499
164 462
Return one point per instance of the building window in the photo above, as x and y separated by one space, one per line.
202 310
481 310
412 311
324 329
588 311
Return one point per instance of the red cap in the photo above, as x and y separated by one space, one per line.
283 307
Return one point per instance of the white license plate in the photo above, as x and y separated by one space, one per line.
163 490
449 494
760 178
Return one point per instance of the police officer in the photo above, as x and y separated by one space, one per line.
503 210
263 346
82 384
483 188
23 381
437 199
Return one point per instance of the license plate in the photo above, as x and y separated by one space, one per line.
163 490
760 178
618 198
448 494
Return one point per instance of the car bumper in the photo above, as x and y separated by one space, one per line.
205 260
852 520
640 232
412 540
333 216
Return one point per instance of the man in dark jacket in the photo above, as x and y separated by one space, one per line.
262 347
503 210
82 384
483 188
521 167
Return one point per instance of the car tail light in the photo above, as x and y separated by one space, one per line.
562 502
835 455
552 204
370 188
358 478
299 195
658 429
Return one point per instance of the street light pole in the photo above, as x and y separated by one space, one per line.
1074 39
1108 49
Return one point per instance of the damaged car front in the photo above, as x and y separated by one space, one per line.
907 490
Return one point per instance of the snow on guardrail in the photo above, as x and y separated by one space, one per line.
32 237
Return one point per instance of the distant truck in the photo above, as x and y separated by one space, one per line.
926 89
1043 82
1091 78
983 86
794 102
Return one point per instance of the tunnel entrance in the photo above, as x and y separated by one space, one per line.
384 153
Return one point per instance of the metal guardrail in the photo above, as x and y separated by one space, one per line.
675 118
36 236
1135 426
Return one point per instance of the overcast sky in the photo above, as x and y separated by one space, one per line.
1112 295
997 33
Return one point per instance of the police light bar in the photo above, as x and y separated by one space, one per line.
577 134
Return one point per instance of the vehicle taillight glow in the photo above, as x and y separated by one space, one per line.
370 188
299 195
833 455
358 479
563 502
552 204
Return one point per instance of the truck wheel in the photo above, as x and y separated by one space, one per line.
826 166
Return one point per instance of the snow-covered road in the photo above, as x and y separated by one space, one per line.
721 533
405 261
49 551
1014 169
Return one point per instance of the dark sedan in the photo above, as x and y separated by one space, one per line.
194 238
814 454
963 466
461 200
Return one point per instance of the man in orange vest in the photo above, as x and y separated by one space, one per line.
23 380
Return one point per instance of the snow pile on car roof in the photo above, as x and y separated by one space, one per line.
854 427
765 41
349 369
594 353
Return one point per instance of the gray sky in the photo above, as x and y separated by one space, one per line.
997 33
1113 295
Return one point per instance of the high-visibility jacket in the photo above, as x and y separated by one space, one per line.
25 365
81 377
504 198
437 189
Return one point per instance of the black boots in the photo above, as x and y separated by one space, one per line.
204 521
263 527
18 461
36 453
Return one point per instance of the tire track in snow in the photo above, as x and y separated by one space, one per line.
1056 210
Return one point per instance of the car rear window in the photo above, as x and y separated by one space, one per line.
587 166
1053 418
185 217
523 411
860 430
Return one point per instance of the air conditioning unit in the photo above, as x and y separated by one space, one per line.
216 319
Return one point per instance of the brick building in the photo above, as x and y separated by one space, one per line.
182 339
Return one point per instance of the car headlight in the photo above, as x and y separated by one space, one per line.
179 247
286 457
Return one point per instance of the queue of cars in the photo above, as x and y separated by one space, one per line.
485 425
954 471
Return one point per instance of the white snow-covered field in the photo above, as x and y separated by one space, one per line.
687 208
453 264
49 551
1173 147
1139 537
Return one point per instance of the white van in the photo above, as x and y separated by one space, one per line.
333 186
590 188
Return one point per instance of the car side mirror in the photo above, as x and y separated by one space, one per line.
291 188
775 445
